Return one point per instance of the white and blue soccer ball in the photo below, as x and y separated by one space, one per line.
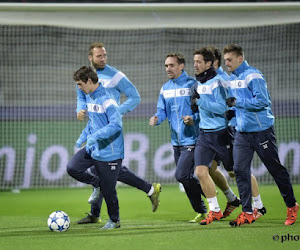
58 221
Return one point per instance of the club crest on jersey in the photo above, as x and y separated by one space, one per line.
204 89
95 108
182 92
240 84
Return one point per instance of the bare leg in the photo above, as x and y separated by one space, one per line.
254 186
206 182
218 177
209 189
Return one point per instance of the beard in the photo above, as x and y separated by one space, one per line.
97 66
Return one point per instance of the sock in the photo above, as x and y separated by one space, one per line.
213 204
257 202
229 195
151 191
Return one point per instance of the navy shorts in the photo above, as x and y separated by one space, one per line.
214 145
232 131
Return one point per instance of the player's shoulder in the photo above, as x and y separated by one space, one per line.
110 69
168 85
215 80
252 73
106 99
191 81
224 76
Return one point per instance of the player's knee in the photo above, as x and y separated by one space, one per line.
202 172
70 170
179 177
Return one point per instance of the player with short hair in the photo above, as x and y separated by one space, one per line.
105 144
254 133
258 207
218 177
115 83
174 104
214 140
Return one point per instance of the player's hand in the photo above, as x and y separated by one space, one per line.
153 120
194 105
230 101
90 141
79 143
81 115
188 120
194 91
229 114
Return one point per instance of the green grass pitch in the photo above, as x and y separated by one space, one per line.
23 222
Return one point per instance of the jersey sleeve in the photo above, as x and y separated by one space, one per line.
81 100
219 105
83 136
260 95
161 111
114 121
133 97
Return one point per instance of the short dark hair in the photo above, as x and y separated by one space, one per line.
207 53
235 48
218 54
84 73
180 57
95 45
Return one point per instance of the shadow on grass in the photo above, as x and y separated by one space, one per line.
130 229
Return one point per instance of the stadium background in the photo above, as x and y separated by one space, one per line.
42 45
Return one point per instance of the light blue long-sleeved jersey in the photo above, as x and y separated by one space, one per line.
226 78
253 102
115 83
212 104
223 74
174 101
104 126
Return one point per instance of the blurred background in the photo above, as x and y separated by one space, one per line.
139 1
42 45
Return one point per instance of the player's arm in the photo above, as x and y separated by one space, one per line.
260 99
114 125
133 97
83 136
161 111
81 104
219 105
194 98
188 120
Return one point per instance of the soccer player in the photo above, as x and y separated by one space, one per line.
258 207
214 140
218 177
105 145
254 133
116 83
174 104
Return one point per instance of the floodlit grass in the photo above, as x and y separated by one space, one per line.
23 222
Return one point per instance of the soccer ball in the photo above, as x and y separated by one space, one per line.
58 221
